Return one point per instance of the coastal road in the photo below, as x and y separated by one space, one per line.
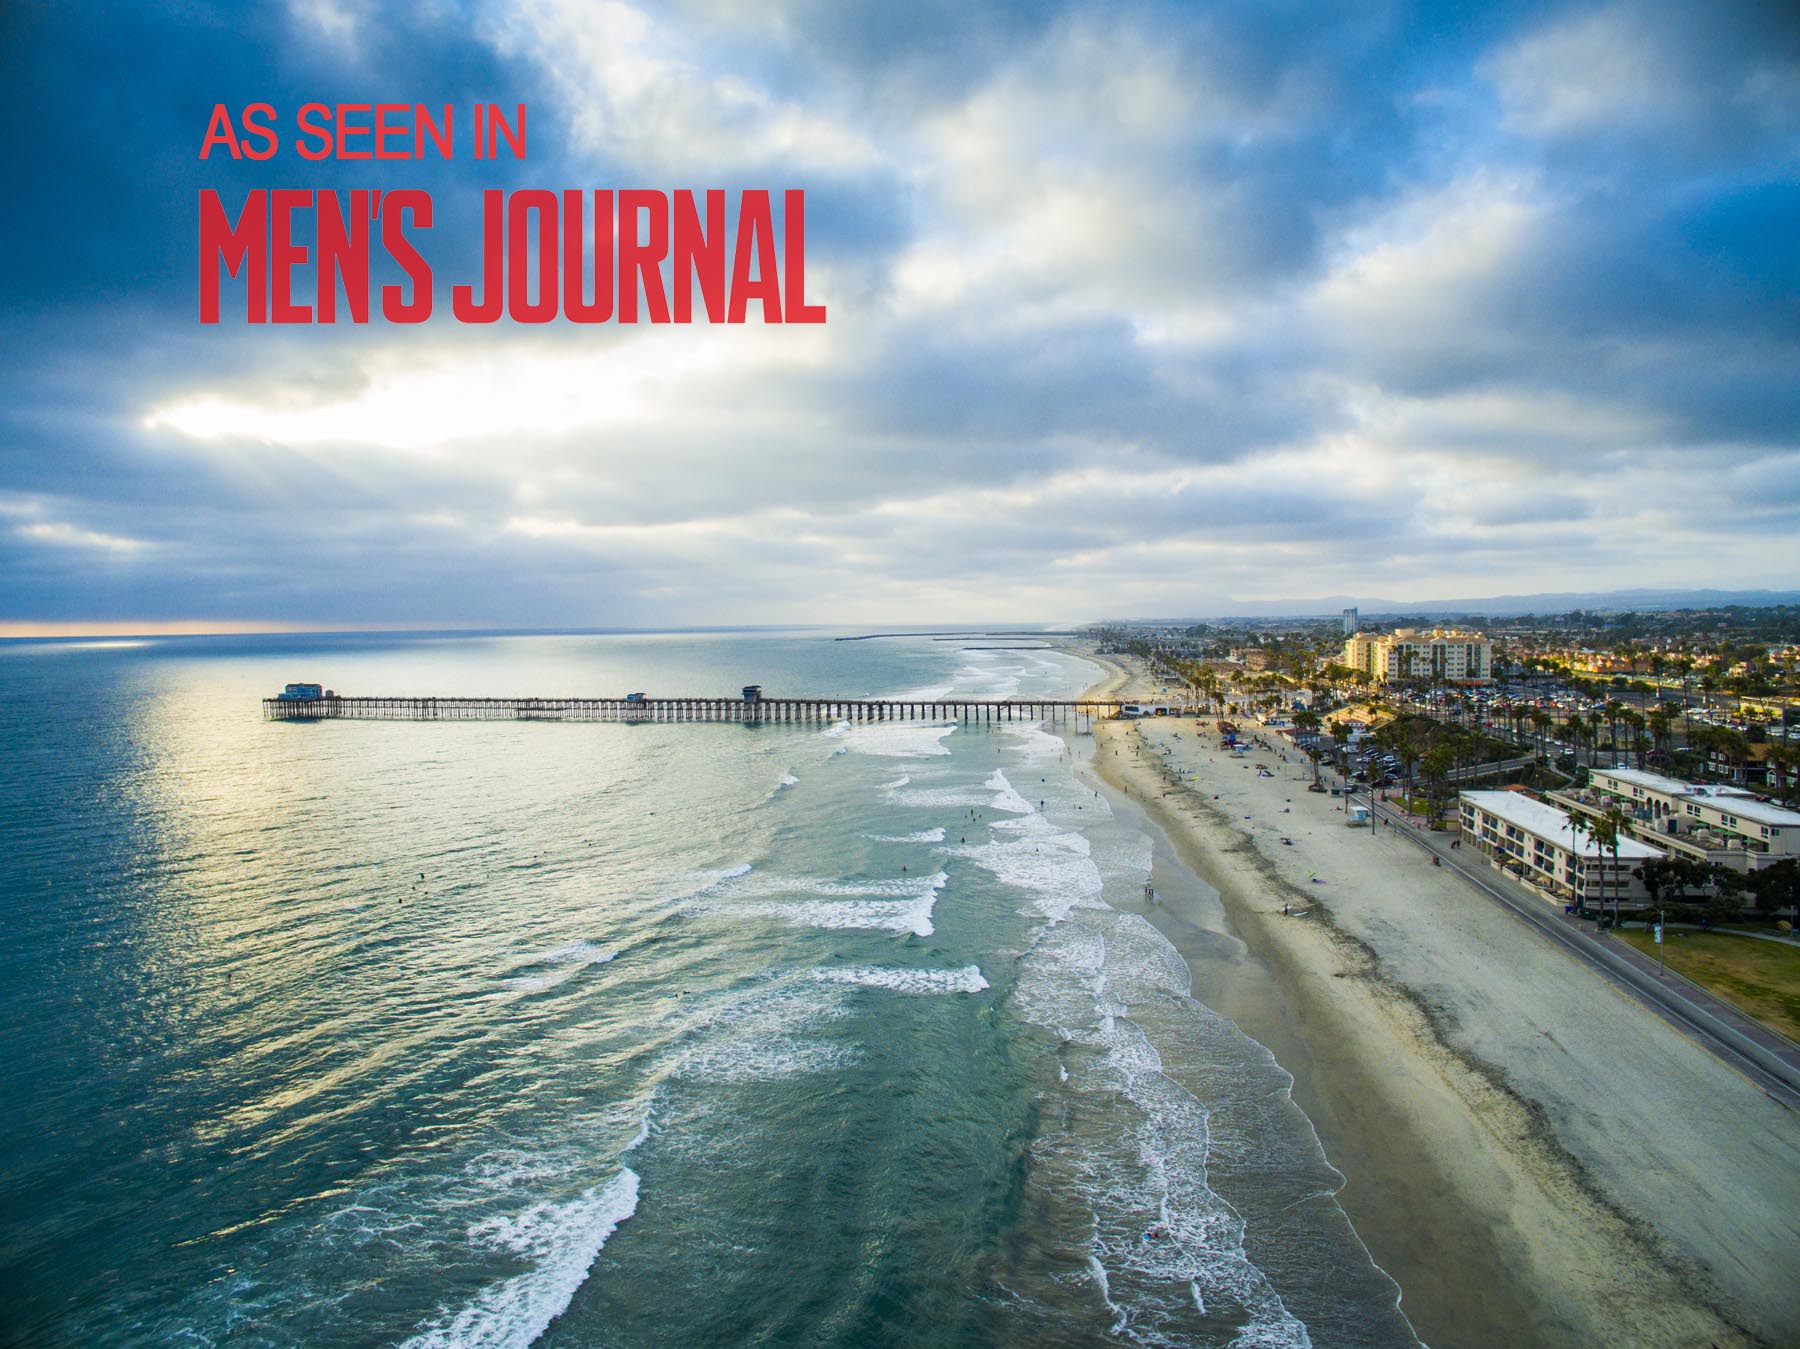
1769 1060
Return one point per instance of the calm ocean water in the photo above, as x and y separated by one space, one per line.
507 1034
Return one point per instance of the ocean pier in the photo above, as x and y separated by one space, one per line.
747 710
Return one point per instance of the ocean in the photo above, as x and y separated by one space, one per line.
500 1034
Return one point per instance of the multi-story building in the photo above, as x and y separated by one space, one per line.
1351 623
1449 654
1703 822
1359 652
1543 846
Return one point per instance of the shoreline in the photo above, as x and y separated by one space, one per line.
1469 1174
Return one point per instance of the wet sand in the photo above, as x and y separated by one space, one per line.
1535 1157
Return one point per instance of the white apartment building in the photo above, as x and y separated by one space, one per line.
1725 825
1540 844
1408 653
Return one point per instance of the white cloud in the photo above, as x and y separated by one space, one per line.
1423 267
639 91
61 534
330 22
1070 182
1592 70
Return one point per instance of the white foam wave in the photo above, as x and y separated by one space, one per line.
922 836
1005 798
912 916
1159 1231
897 904
1033 741
506 1169
894 739
966 980
983 677
697 883
563 1239
1098 1270
767 1060
536 973
756 884
937 798
1052 866
765 1034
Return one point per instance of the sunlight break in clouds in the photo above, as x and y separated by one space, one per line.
413 402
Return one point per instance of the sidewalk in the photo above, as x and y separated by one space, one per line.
1767 1057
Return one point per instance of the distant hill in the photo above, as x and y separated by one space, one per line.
1504 606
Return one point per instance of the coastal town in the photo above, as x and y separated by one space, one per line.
1526 890
1658 765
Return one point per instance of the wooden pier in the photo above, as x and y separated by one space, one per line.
747 711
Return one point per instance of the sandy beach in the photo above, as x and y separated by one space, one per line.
1534 1156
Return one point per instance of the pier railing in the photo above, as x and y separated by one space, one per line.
696 709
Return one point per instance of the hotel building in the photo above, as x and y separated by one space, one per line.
1540 844
1726 826
1407 653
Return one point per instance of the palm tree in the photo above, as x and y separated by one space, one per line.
1577 863
1734 748
1308 720
1575 728
1541 722
1409 749
1633 721
1209 684
1782 760
1437 767
1662 727
1606 831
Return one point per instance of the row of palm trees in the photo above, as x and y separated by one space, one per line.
1605 830
1614 724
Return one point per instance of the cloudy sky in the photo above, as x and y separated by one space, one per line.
1134 309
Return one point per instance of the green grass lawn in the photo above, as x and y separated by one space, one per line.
1757 977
